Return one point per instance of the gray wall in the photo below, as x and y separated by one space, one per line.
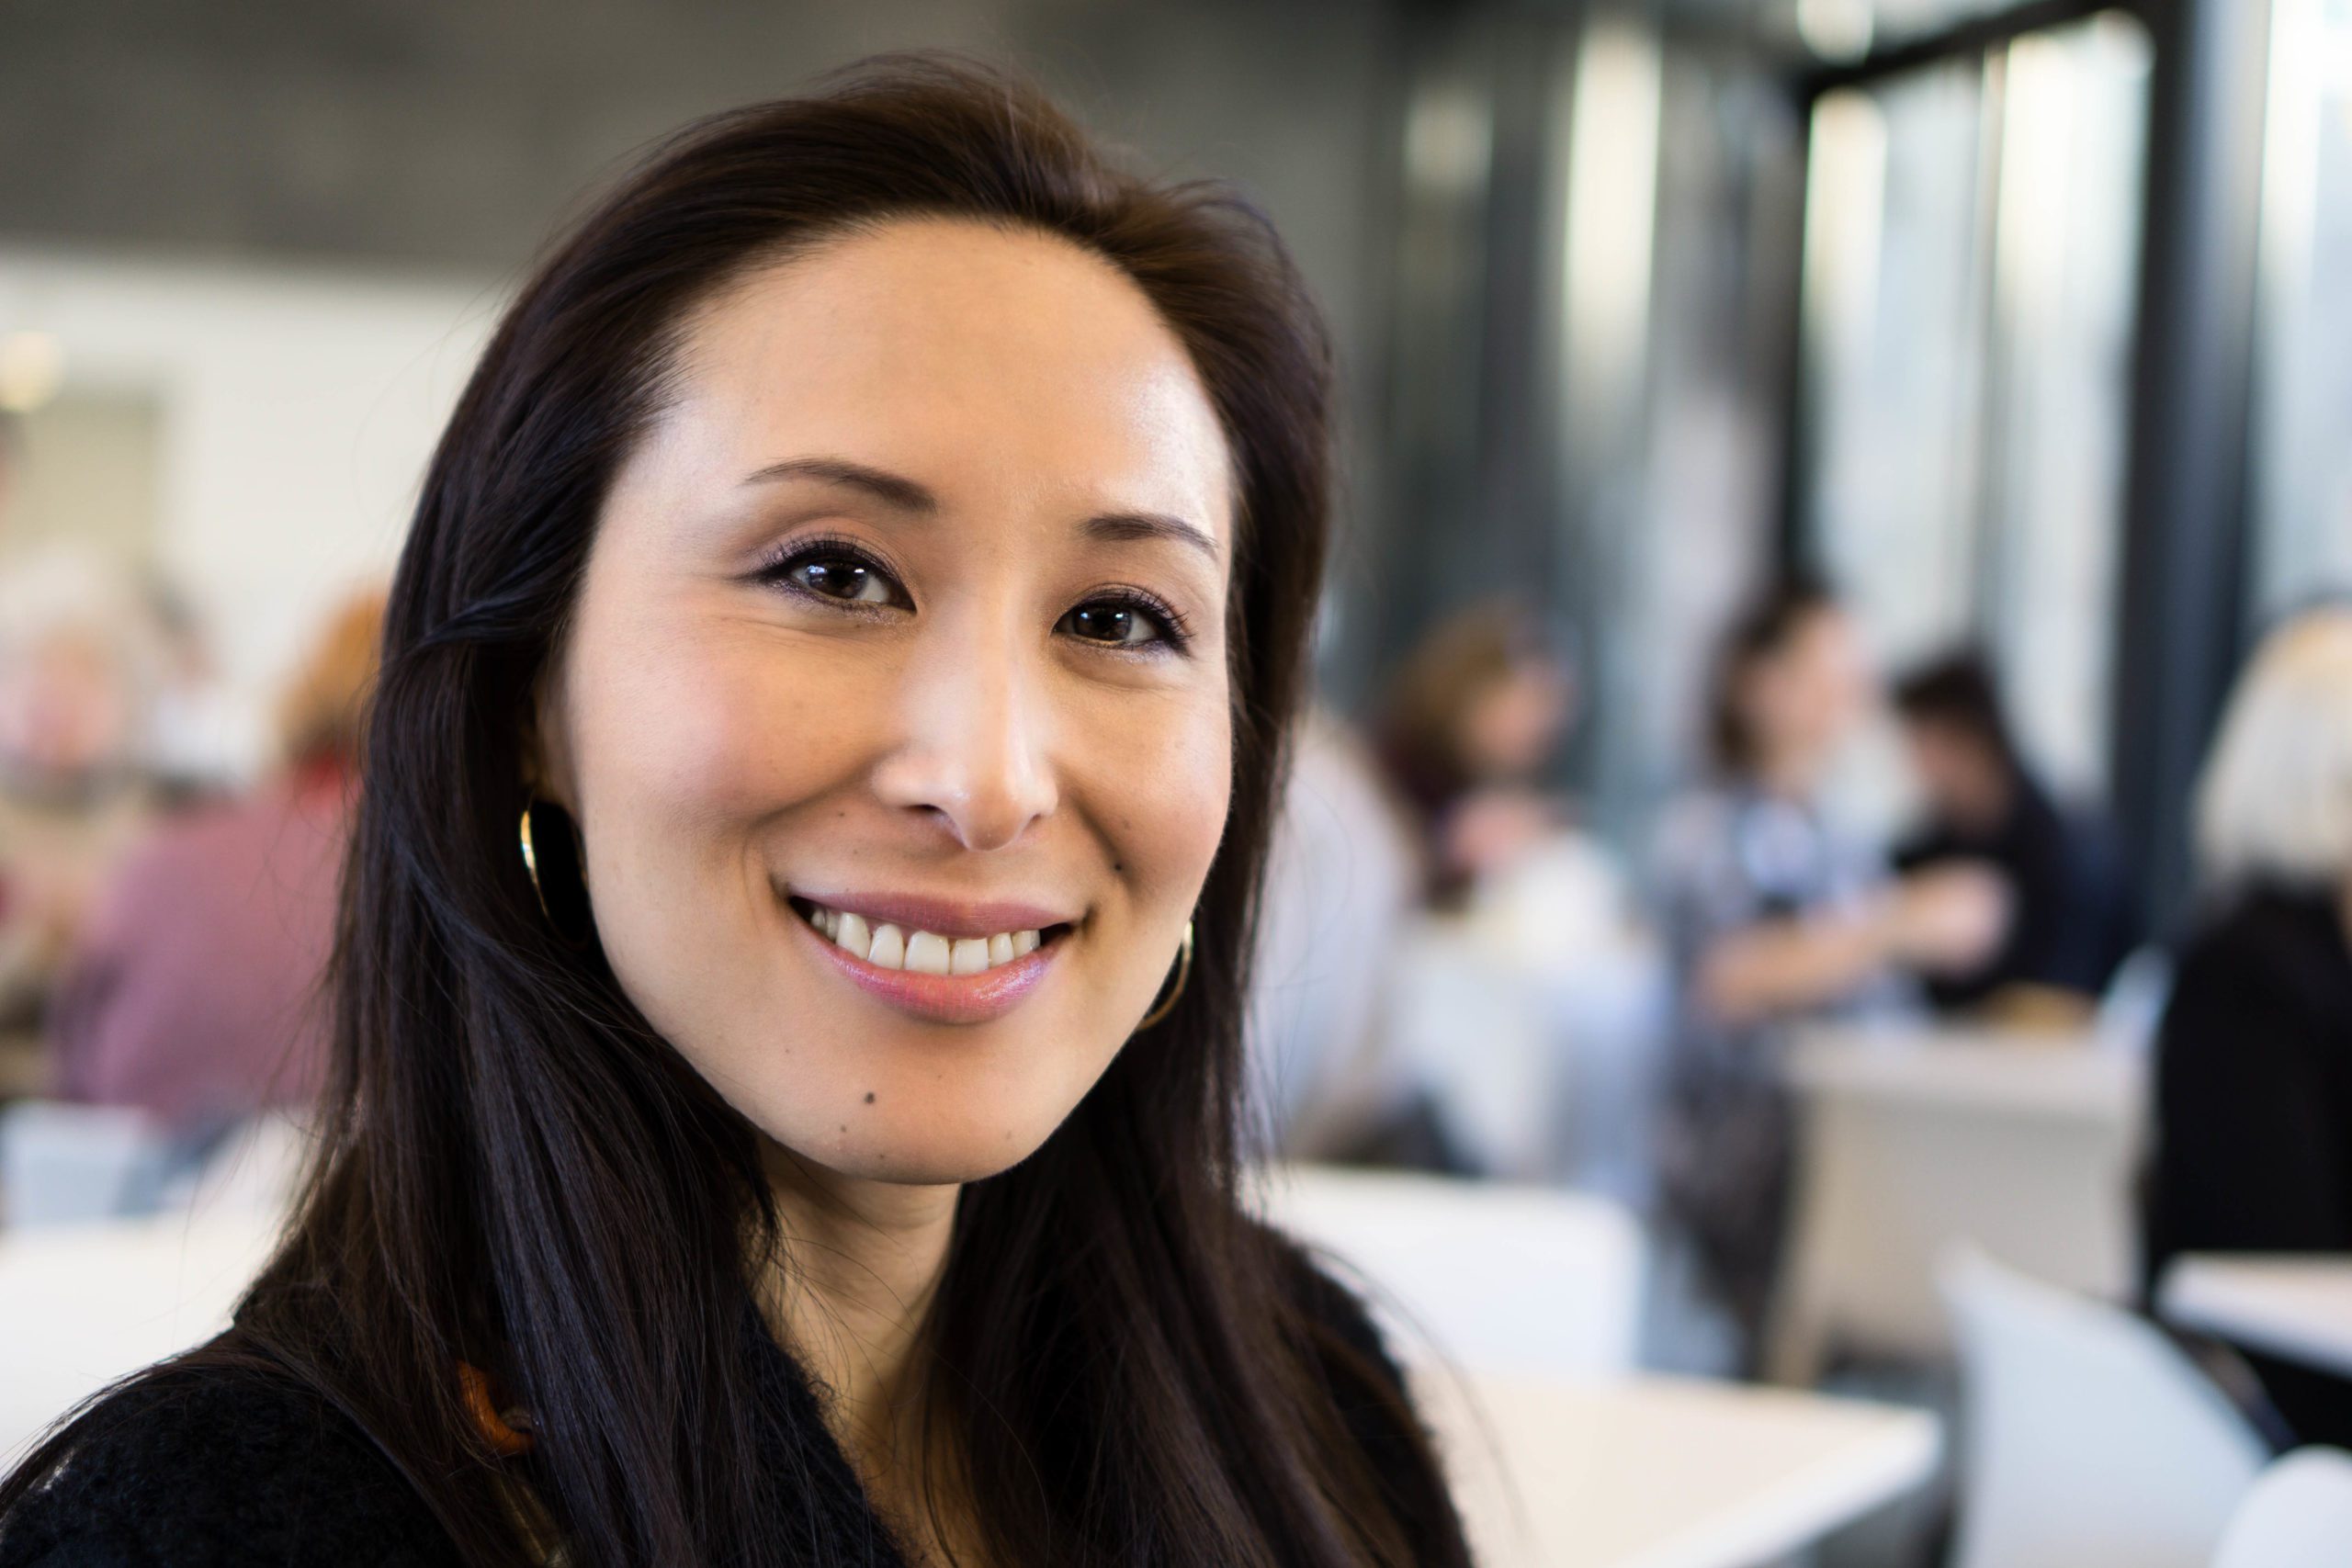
453 133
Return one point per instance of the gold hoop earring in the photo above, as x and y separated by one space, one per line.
531 860
1183 973
532 847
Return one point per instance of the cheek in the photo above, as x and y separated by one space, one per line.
684 746
697 733
1167 786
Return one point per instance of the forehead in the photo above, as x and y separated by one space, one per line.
971 357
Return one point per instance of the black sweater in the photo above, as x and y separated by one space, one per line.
207 1467
2254 1113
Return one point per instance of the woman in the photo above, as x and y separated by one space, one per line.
1469 722
872 561
2252 1146
1772 914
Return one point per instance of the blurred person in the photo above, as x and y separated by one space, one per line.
2252 1148
1471 719
1522 1009
1342 878
1772 914
76 673
193 992
2070 908
203 742
790 978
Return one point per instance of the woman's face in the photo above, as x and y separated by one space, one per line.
1805 700
905 624
1512 726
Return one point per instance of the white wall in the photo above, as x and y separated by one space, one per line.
299 407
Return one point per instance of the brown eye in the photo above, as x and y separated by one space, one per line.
834 578
1106 623
1113 623
839 576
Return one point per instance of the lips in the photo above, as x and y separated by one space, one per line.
948 963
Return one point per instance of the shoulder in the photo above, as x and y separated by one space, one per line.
2270 980
1375 1405
198 1466
1694 847
1346 1352
2271 944
1334 1313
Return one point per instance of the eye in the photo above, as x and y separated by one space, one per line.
1125 620
839 572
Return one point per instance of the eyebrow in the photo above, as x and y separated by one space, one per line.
1122 527
895 489
904 494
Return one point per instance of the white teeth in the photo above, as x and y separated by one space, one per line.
850 933
889 947
928 954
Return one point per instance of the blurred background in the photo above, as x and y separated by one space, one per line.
1822 852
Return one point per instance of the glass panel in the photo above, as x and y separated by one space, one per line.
2066 287
1848 30
2303 392
1971 263
1895 341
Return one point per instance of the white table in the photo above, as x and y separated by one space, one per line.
1661 1472
2297 1307
1918 1139
81 1305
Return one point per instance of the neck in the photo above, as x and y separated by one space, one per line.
1793 773
851 1295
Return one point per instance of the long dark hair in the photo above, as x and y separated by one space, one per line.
516 1172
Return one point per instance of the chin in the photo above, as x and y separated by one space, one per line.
925 1167
925 1151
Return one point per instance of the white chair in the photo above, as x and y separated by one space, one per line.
2298 1515
1483 1277
2087 1437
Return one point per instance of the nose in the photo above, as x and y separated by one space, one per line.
973 751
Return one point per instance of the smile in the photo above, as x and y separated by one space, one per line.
886 946
957 975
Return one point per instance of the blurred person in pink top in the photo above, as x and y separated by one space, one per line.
195 992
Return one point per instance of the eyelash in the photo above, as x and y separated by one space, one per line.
1175 631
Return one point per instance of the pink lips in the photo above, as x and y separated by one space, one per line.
942 999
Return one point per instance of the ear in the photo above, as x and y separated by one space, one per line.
548 771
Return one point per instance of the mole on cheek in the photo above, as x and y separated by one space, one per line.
869 1097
